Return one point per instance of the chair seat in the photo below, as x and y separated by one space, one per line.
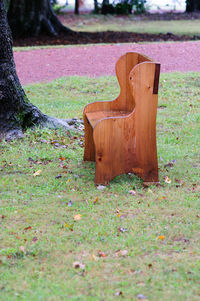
94 117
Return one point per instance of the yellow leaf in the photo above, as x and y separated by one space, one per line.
37 173
161 237
77 217
70 227
96 200
95 258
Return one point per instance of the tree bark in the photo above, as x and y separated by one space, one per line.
76 9
33 18
192 5
16 112
96 7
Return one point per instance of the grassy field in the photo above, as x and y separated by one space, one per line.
89 22
64 239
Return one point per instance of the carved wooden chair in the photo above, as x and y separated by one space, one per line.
120 135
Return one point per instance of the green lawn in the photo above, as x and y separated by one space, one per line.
125 244
131 23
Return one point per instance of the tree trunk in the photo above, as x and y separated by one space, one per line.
192 5
16 112
76 9
32 18
96 7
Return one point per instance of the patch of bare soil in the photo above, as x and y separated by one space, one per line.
101 37
72 38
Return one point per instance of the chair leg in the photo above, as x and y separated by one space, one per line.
150 176
104 171
146 166
108 151
89 150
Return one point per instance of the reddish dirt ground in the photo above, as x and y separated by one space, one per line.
44 65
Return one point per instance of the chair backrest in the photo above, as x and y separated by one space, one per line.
124 65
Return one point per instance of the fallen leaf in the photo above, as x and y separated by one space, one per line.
77 217
70 203
161 198
101 187
179 183
96 200
69 226
37 173
101 254
167 180
122 230
132 192
22 249
58 176
78 265
95 257
28 228
169 164
161 237
195 188
121 253
140 296
34 239
124 252
3 216
118 293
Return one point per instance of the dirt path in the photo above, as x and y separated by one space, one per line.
44 65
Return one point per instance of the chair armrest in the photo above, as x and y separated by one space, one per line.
100 106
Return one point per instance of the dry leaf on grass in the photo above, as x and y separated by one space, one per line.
37 173
161 237
77 217
28 228
96 200
70 227
78 265
95 258
121 253
34 239
22 249
132 192
167 180
140 297
101 187
118 293
123 230
101 254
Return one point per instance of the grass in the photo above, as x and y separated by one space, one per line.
146 244
131 23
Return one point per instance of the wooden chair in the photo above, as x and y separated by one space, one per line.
120 135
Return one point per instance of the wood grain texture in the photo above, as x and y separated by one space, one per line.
142 82
120 135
